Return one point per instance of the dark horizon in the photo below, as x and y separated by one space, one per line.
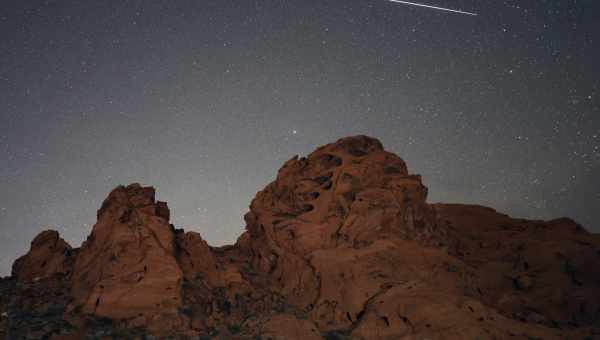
206 101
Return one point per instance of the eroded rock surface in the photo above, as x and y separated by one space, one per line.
341 245
49 254
127 267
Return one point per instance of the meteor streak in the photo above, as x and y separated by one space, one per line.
433 7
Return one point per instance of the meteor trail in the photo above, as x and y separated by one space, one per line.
433 7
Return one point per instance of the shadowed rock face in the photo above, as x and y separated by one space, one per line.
342 245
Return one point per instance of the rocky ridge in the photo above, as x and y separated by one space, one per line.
341 245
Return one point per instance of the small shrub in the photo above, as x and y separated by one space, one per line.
335 335
213 332
199 277
186 310
234 329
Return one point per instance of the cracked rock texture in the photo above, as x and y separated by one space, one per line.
341 245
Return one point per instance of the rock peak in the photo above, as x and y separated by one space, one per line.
127 267
135 196
357 146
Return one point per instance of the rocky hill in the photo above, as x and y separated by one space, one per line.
342 245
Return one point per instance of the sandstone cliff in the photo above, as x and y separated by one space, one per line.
341 245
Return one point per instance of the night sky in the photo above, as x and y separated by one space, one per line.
205 100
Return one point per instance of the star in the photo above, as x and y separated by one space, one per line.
205 102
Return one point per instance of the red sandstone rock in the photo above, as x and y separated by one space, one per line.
49 254
342 245
127 267
284 327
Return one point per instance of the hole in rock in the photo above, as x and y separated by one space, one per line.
348 316
386 320
391 170
350 196
356 152
322 179
125 216
328 161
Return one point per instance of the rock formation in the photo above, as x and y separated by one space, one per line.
49 254
341 245
127 267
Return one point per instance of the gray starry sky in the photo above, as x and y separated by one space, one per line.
206 99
